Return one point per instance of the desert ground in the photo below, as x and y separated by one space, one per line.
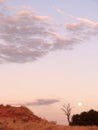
21 118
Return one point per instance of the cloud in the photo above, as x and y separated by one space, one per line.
87 21
60 11
82 30
26 36
40 102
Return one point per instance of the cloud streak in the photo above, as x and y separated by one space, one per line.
82 30
40 102
26 36
60 11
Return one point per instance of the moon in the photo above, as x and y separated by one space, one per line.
80 104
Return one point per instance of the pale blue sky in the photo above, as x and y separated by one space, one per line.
67 75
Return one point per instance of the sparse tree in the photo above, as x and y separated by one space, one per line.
67 109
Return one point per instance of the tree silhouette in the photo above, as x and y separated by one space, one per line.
67 111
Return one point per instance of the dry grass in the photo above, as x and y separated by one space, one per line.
10 124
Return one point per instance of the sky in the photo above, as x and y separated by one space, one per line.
49 55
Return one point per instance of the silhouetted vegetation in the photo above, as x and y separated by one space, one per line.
85 118
67 111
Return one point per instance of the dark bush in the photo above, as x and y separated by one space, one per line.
85 118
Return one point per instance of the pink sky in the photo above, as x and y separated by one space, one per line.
49 55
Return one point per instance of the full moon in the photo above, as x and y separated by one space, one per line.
80 104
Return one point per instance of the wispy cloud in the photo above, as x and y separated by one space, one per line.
26 36
40 102
82 30
86 21
60 11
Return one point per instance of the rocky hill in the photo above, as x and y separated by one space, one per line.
21 118
21 113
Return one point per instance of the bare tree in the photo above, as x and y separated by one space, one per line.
67 109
